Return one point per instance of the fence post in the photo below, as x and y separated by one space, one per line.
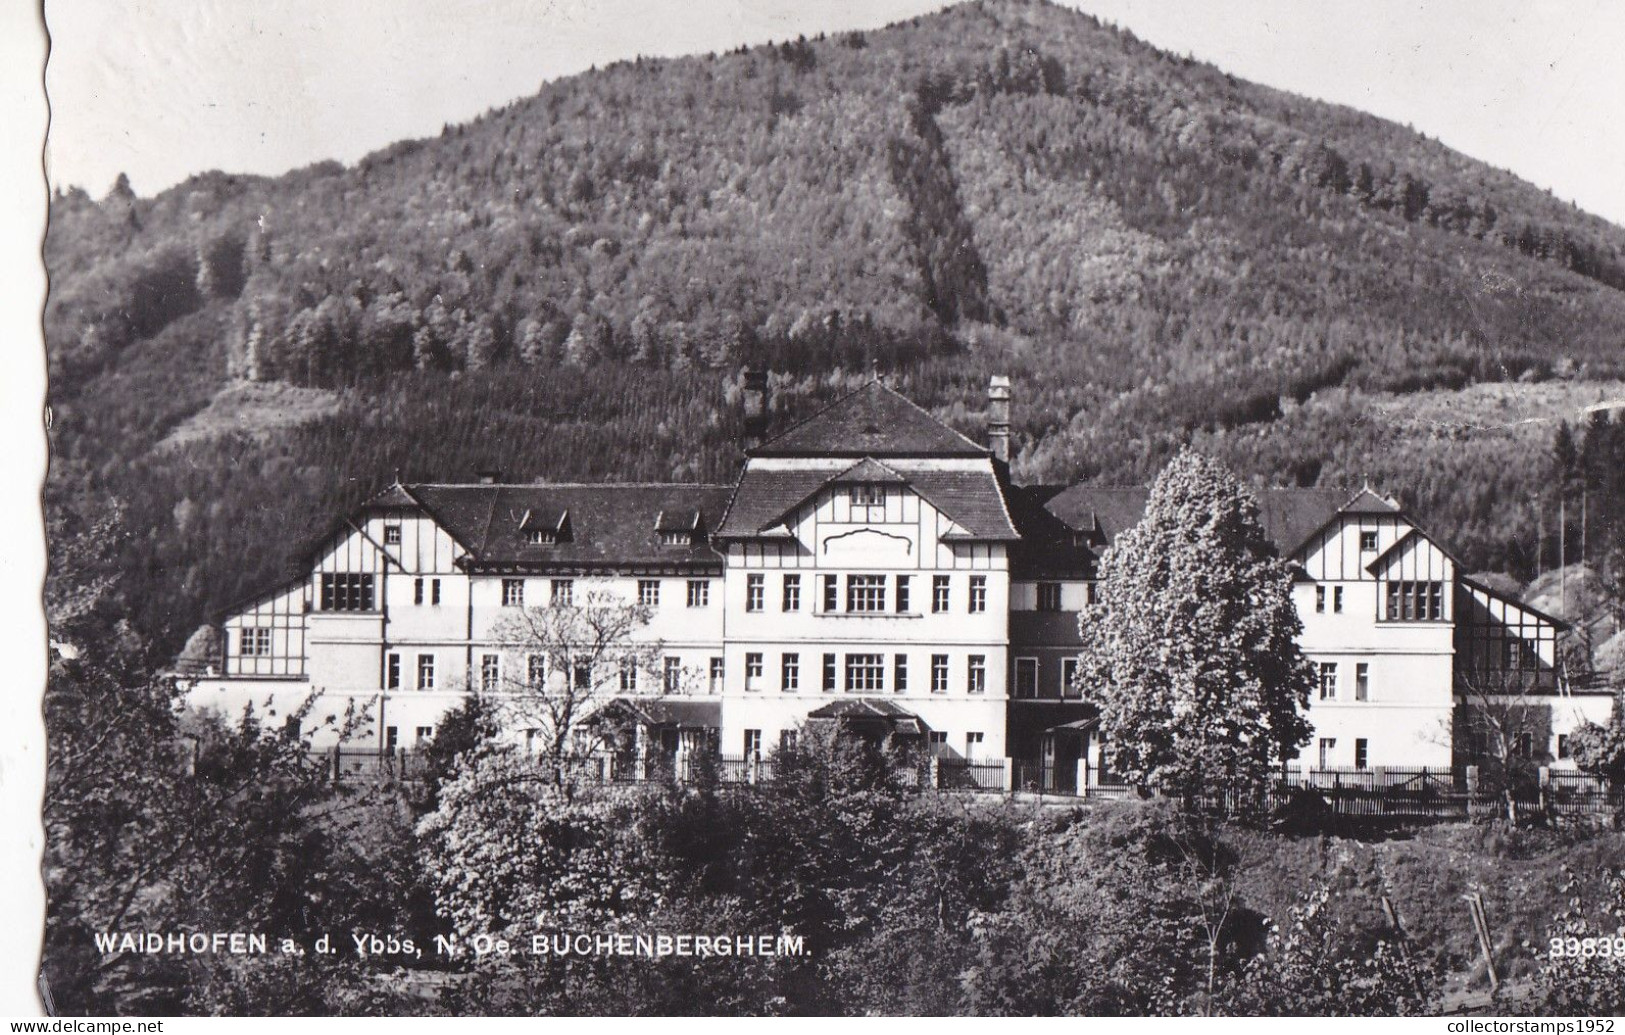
338 765
1083 778
750 768
1010 775
936 772
1545 778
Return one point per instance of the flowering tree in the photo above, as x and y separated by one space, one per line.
562 663
1191 651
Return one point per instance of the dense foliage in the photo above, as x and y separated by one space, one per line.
1191 651
566 288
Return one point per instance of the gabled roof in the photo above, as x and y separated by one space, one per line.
972 499
872 421
610 525
1289 516
868 471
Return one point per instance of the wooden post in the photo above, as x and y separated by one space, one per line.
936 772
1010 775
1083 778
1481 927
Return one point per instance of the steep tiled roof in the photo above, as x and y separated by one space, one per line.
1289 516
607 525
872 421
970 498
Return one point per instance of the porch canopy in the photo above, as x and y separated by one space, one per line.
873 715
660 714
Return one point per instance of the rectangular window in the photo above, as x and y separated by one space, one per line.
392 535
902 594
787 740
939 594
829 673
753 671
422 735
973 744
978 594
513 593
1049 596
866 593
1328 748
254 642
677 537
899 668
755 592
434 592
832 599
1026 678
1337 599
673 675
1562 745
629 675
1368 542
718 672
490 672
1069 678
347 591
939 673
1360 752
425 671
937 742
649 592
1415 601
392 672
792 593
976 674
1091 593
699 593
536 671
1362 681
583 674
1328 680
867 495
790 672
417 591
392 738
865 673
563 592
1320 600
753 743
541 536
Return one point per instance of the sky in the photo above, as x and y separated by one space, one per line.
161 89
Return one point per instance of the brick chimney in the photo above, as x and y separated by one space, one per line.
998 417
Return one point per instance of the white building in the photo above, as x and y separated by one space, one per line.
873 566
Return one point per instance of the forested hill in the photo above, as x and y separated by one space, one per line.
1148 246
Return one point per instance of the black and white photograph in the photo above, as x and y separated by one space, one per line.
747 508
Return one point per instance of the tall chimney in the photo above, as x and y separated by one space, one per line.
754 402
998 417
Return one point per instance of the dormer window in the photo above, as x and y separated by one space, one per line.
1368 542
678 527
392 535
544 527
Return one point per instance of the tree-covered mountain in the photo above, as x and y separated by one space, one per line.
567 287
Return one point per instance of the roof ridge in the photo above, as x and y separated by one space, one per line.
568 485
891 392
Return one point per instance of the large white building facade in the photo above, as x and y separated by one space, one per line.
870 566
